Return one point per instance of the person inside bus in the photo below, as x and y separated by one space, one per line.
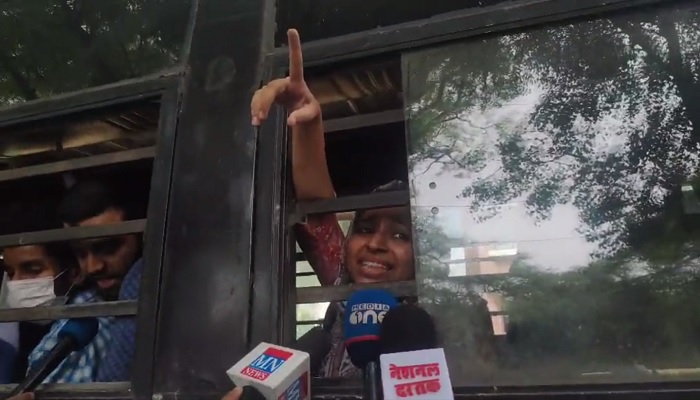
113 265
378 247
46 274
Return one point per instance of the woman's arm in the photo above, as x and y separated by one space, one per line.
321 239
309 169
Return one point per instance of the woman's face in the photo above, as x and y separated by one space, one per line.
379 247
28 262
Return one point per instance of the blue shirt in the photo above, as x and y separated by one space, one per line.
80 366
116 366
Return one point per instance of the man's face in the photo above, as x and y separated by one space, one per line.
106 261
28 262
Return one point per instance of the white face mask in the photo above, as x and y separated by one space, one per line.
27 293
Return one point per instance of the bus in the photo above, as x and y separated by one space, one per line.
549 151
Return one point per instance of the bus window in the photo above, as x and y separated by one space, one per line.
554 174
72 215
362 109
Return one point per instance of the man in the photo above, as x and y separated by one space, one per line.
44 274
113 264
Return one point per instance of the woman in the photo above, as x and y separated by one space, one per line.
378 247
45 274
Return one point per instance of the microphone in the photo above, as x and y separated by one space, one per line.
364 312
411 363
74 335
274 372
317 343
407 327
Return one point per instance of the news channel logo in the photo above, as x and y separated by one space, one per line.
297 390
368 313
266 363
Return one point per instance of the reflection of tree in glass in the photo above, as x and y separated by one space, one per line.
612 125
602 115
462 317
602 316
54 46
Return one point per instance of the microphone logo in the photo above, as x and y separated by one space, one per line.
368 313
266 364
297 390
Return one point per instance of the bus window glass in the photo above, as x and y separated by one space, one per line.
554 179
48 47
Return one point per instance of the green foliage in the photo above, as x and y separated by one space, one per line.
607 120
54 46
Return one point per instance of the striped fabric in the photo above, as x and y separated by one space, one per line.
117 365
80 366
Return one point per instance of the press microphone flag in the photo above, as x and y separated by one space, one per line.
418 374
277 372
411 366
364 312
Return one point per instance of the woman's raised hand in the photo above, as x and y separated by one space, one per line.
290 92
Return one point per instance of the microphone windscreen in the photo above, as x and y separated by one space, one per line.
81 330
317 342
407 328
364 312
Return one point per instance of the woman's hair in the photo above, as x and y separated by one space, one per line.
393 186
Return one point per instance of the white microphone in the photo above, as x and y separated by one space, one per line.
277 372
412 366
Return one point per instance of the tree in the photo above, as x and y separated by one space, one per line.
461 314
615 135
602 115
54 46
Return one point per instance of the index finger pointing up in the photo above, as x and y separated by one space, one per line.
296 62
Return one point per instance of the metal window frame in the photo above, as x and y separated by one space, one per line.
73 233
112 158
165 86
320 294
111 391
122 92
272 199
106 309
436 31
154 242
455 25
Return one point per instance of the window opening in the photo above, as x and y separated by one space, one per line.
72 214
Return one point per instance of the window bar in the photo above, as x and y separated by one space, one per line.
73 391
363 120
39 313
342 292
350 203
73 233
311 322
78 163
